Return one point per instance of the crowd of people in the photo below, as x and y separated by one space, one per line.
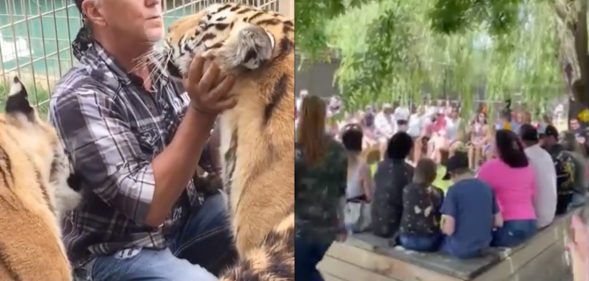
379 172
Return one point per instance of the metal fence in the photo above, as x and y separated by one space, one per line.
36 36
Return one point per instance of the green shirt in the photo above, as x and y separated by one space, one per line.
318 191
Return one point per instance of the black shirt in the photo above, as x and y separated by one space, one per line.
421 210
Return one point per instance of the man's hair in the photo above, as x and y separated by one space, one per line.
460 171
352 137
425 171
399 146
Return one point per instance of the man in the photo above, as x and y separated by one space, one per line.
134 144
545 196
392 175
384 126
384 122
563 164
469 211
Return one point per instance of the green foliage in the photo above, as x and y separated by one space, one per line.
311 18
451 16
402 50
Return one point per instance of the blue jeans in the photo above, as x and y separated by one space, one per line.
460 251
420 243
578 200
309 252
199 252
514 233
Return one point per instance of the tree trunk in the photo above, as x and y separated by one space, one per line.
572 18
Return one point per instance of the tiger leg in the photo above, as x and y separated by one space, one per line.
272 260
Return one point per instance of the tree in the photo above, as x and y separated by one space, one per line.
402 49
570 17
311 18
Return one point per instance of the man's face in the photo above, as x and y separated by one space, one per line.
575 124
521 118
140 20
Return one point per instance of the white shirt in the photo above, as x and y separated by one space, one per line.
415 122
452 128
384 124
402 113
545 195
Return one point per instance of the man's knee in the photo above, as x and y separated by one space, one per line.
147 264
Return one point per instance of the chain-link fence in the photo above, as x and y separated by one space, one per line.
36 36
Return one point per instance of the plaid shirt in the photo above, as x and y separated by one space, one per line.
112 128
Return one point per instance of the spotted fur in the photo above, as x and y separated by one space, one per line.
257 136
33 194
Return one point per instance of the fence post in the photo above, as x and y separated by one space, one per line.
286 7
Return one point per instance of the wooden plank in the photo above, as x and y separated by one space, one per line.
367 256
436 262
380 264
547 266
523 255
349 272
329 277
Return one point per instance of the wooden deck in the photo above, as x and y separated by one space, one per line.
365 257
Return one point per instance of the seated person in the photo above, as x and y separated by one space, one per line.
512 178
392 175
564 165
545 172
420 227
469 211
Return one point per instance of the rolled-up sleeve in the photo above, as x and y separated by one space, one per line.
105 153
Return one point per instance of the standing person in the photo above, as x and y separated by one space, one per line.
512 178
385 125
564 165
392 175
359 190
134 144
420 221
320 184
575 152
478 139
469 211
545 196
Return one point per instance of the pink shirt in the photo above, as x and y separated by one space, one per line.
514 188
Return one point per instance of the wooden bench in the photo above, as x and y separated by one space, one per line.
365 257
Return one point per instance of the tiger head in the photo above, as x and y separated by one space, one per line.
237 37
30 147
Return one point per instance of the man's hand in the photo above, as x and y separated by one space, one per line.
208 90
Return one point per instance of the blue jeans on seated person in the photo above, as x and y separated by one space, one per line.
578 200
451 249
514 233
202 247
420 243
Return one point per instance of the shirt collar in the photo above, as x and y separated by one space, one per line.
90 53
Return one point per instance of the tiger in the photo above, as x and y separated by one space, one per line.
257 135
34 193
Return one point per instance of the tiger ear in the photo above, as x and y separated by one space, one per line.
18 102
248 47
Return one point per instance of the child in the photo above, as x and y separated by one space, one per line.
469 211
420 229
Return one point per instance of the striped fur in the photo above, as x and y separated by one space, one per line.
30 178
257 136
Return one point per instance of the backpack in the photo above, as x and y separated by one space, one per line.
565 171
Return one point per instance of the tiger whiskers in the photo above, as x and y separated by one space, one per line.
155 60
